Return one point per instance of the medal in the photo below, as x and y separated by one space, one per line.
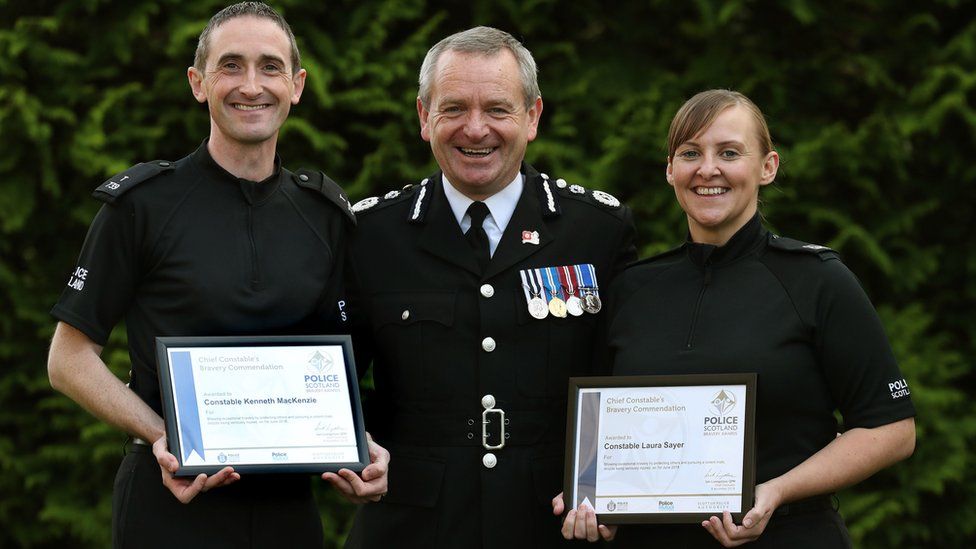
589 288
574 305
556 305
533 293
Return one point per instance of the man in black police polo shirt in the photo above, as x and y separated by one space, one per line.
482 288
222 242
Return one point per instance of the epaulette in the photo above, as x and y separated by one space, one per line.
798 246
118 185
604 199
318 181
392 197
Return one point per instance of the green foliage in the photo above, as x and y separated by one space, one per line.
872 104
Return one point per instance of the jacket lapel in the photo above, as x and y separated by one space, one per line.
442 235
527 217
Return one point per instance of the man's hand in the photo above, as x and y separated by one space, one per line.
186 489
371 485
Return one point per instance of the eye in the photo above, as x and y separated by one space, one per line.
271 67
230 66
451 109
729 154
689 154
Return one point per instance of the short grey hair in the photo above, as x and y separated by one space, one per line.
244 9
486 41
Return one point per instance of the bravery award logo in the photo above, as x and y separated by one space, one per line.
721 423
319 377
723 402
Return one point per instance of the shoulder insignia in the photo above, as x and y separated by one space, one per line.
798 246
365 204
318 181
118 185
421 203
604 198
550 205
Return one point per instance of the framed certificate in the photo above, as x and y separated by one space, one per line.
661 449
264 404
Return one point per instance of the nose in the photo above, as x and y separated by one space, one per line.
708 167
475 127
250 86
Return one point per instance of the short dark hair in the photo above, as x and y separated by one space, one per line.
244 9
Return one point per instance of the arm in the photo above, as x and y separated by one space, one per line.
75 369
848 459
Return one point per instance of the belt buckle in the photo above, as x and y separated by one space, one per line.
484 428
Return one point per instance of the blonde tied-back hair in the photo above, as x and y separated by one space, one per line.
701 110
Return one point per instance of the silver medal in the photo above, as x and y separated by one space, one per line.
538 308
592 303
574 305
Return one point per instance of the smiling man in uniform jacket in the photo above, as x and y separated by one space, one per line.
481 290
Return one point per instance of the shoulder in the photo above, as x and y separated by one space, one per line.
320 184
791 246
639 273
554 192
808 271
120 184
412 196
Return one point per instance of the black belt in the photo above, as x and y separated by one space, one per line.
521 428
809 505
136 445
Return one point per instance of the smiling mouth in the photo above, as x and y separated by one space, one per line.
243 107
476 153
710 191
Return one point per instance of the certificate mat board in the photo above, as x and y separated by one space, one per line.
661 449
261 404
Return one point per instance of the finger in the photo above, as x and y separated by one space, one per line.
357 484
579 531
714 527
557 505
569 524
608 532
225 476
753 517
592 534
730 527
339 483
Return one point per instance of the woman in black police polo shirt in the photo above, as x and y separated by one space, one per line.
736 298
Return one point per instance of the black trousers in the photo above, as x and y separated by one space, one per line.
256 511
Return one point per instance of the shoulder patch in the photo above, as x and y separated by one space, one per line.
109 191
318 181
798 246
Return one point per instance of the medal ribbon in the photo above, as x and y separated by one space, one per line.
551 286
566 277
587 275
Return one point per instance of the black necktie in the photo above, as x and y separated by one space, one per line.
476 236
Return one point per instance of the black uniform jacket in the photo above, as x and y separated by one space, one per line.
443 337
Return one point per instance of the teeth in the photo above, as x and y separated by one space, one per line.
476 151
708 191
241 107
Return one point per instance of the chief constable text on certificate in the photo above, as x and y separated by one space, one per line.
655 451
262 405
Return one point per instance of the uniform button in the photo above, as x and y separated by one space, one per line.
487 290
488 344
471 435
489 460
561 183
303 177
405 314
488 402
164 164
545 176
470 422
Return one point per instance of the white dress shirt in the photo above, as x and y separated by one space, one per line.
501 206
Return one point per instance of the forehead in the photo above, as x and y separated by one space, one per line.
734 123
249 36
473 76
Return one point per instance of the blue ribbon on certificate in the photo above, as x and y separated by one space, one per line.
186 398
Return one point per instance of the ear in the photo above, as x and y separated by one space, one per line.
669 173
423 114
195 77
770 167
299 83
533 115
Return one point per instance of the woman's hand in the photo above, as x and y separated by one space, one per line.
753 524
581 523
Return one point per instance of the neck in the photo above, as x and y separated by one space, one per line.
252 162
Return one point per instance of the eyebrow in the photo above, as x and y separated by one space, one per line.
239 56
